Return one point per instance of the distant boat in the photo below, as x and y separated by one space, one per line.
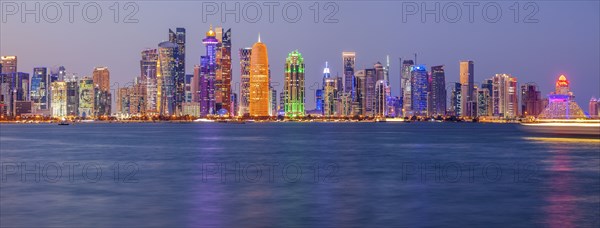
396 120
587 128
204 120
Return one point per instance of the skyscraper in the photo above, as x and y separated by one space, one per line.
420 89
406 87
166 78
72 96
437 91
504 96
484 102
531 100
381 88
223 71
178 38
39 88
102 93
369 91
349 61
358 105
259 80
86 97
455 107
59 99
467 74
14 87
294 85
148 71
208 71
244 104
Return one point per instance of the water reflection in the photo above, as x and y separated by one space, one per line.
561 209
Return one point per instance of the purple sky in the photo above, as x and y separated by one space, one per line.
565 40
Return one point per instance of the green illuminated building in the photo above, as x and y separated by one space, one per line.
294 85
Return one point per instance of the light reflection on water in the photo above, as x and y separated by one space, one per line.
369 191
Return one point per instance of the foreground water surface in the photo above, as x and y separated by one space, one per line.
295 174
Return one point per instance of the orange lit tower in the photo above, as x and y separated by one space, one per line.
259 80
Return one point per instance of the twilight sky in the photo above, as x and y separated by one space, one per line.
565 39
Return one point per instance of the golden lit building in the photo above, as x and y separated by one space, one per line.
259 80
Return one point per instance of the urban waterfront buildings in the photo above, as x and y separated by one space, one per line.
437 94
531 100
406 81
467 75
259 80
504 96
245 54
166 78
294 85
420 89
102 100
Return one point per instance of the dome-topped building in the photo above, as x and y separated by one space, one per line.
561 103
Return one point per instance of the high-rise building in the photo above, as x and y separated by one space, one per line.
504 96
166 78
72 85
369 91
420 89
178 38
148 68
594 107
102 101
330 96
294 85
208 71
59 99
455 99
244 103
349 61
467 74
101 77
273 101
381 102
223 71
406 87
437 91
358 104
9 64
531 100
86 97
484 102
14 87
259 80
39 88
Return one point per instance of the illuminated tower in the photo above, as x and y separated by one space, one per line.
330 92
406 87
504 96
39 88
148 63
244 103
178 38
294 85
420 89
208 66
9 64
223 72
259 80
437 91
349 61
467 73
167 70
102 100
381 88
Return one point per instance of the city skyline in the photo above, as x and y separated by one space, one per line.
529 53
